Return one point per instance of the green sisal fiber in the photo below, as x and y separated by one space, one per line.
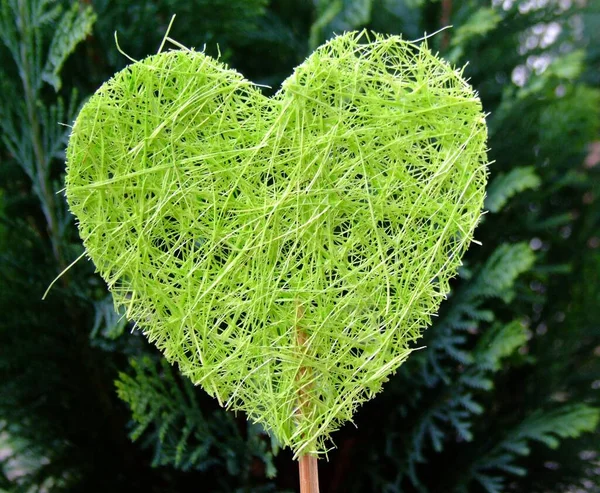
284 252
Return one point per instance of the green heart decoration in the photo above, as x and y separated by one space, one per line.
284 252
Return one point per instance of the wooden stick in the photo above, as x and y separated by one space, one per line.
308 467
309 474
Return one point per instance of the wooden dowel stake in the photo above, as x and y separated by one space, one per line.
307 464
309 474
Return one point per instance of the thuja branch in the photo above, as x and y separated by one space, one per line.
40 177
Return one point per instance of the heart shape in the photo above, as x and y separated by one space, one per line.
283 251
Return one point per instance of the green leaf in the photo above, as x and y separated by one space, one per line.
47 13
482 21
564 68
491 484
505 186
569 421
108 322
498 275
498 343
356 13
327 10
73 28
477 382
567 67
547 427
165 410
339 16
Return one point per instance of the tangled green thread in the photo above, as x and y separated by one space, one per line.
284 252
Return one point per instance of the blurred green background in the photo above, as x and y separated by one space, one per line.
506 395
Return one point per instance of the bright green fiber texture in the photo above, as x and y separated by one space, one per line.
284 252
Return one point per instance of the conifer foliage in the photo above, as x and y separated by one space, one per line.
502 396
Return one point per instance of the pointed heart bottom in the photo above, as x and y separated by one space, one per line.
283 251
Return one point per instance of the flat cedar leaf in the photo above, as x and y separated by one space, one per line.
517 471
326 11
182 444
339 16
553 222
270 469
505 264
518 447
170 420
477 382
505 186
163 429
437 437
568 421
564 68
469 404
550 269
461 356
481 22
491 484
458 419
567 67
356 13
108 321
48 12
73 28
545 427
499 342
479 315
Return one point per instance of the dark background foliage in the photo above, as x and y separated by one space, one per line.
504 398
